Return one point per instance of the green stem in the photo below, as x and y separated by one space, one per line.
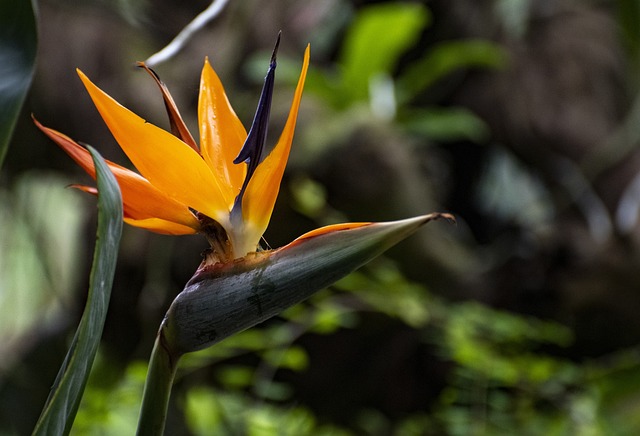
157 388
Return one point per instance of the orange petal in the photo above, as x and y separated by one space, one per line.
221 131
140 198
264 186
160 226
164 160
156 225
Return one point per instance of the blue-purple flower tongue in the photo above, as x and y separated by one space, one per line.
253 147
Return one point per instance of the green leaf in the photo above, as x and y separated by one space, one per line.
476 334
377 38
293 357
64 399
18 41
447 124
446 58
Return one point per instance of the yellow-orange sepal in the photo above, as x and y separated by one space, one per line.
141 200
165 161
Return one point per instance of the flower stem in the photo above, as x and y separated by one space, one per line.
157 388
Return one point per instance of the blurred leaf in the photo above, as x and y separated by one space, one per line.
331 317
245 342
616 381
231 413
64 399
111 401
18 41
375 41
310 197
294 358
235 377
371 421
40 258
501 371
385 289
272 390
414 425
476 334
203 411
446 124
446 58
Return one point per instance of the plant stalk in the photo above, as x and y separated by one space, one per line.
157 389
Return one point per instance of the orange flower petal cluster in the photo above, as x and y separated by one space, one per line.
182 187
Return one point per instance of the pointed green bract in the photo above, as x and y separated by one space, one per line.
228 298
61 407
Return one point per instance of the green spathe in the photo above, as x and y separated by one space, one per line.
224 299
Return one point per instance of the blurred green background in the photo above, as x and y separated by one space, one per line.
521 117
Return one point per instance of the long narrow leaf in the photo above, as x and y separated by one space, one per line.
64 399
18 41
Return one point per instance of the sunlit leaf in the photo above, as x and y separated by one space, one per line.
237 376
477 334
375 41
617 382
210 412
294 358
111 400
18 40
64 399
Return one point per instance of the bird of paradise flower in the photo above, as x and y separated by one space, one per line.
224 188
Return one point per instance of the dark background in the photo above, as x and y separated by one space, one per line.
520 118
